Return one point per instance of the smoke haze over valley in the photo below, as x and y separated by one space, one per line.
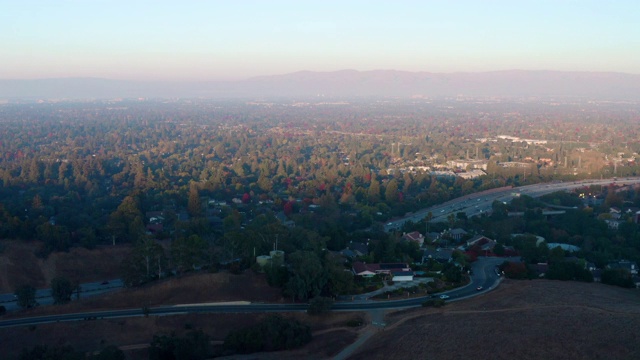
346 84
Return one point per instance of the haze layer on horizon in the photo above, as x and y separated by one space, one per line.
231 40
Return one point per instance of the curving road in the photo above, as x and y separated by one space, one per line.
478 203
483 274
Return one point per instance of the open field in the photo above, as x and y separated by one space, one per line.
520 320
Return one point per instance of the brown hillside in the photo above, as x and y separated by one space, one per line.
187 289
20 266
520 320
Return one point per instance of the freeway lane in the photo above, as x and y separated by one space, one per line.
478 203
483 275
43 296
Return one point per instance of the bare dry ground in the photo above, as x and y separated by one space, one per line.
19 265
520 320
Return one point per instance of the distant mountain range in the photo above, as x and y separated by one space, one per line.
346 84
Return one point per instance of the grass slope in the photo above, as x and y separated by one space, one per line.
521 320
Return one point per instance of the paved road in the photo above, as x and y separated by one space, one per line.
351 348
478 203
483 275
43 296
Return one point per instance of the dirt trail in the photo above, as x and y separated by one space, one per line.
365 334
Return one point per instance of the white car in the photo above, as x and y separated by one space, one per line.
444 296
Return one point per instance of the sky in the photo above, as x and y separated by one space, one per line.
238 39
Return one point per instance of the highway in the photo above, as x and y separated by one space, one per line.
483 274
478 203
43 296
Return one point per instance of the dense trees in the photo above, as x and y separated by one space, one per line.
273 333
86 165
147 261
565 270
93 174
61 290
195 345
26 296
339 281
189 253
308 277
125 223
110 352
452 273
617 277
42 352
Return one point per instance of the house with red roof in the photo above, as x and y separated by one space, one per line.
414 236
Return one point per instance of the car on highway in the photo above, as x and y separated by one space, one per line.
479 288
443 296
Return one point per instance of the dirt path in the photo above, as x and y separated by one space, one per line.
366 333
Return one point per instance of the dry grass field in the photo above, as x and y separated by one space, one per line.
20 266
188 289
520 320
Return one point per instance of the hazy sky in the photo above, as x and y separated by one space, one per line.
235 39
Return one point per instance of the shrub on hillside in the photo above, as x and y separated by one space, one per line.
515 270
565 270
61 352
618 277
434 303
355 322
194 345
271 334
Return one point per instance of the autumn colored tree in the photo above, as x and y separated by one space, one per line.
373 194
188 253
391 191
125 224
194 206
